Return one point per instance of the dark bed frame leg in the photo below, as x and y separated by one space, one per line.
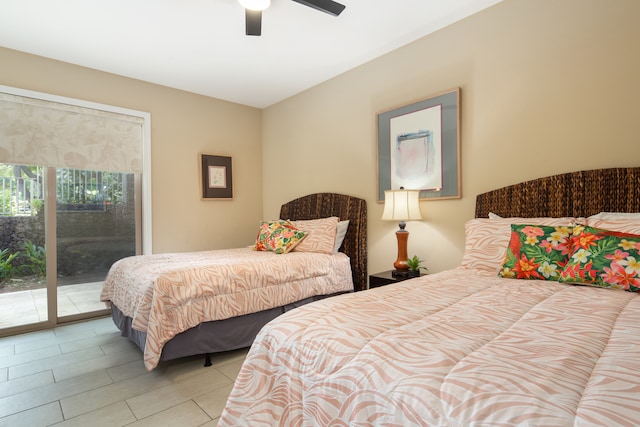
207 359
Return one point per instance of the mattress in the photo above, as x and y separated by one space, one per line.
166 294
457 348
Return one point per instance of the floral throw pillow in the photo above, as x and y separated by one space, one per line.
603 258
278 236
536 252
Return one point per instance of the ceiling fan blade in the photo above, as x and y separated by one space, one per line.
253 20
326 6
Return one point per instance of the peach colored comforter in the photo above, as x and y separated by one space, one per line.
450 349
166 294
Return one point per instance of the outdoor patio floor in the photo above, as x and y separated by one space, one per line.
25 307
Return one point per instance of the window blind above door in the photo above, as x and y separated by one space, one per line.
48 133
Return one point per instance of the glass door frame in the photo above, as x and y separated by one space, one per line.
143 210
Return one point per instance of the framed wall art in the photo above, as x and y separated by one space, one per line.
419 147
216 177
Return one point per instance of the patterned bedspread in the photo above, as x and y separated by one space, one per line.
166 294
455 348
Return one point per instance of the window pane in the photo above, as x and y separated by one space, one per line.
23 293
95 218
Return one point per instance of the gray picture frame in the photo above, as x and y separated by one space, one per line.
447 159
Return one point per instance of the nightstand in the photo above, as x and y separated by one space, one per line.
386 278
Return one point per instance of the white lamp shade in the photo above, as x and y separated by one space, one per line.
401 205
255 4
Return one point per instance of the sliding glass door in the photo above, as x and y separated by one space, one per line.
95 227
71 197
60 231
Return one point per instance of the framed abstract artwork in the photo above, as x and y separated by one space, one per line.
419 147
216 177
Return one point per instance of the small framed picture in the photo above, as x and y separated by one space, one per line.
216 177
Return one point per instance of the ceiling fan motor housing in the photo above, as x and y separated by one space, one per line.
254 8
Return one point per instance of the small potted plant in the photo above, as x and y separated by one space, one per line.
414 266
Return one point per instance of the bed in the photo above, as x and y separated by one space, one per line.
467 347
177 305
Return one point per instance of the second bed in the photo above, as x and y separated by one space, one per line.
176 305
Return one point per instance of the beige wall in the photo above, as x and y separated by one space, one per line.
182 126
547 86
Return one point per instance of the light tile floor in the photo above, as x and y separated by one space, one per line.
25 307
86 374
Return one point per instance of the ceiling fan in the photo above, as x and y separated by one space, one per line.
254 8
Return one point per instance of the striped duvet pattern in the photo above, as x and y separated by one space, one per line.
166 294
449 349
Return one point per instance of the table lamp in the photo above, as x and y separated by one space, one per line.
401 205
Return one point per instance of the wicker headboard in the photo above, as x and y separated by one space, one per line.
322 205
574 194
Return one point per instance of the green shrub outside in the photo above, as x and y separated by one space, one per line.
34 261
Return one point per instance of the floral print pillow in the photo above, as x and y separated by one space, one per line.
278 236
603 258
536 252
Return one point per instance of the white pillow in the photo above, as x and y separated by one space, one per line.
341 232
631 226
623 222
616 215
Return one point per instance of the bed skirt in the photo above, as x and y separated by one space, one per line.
209 337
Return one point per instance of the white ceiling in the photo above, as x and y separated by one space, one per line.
200 46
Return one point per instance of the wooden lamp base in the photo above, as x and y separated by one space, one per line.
401 266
